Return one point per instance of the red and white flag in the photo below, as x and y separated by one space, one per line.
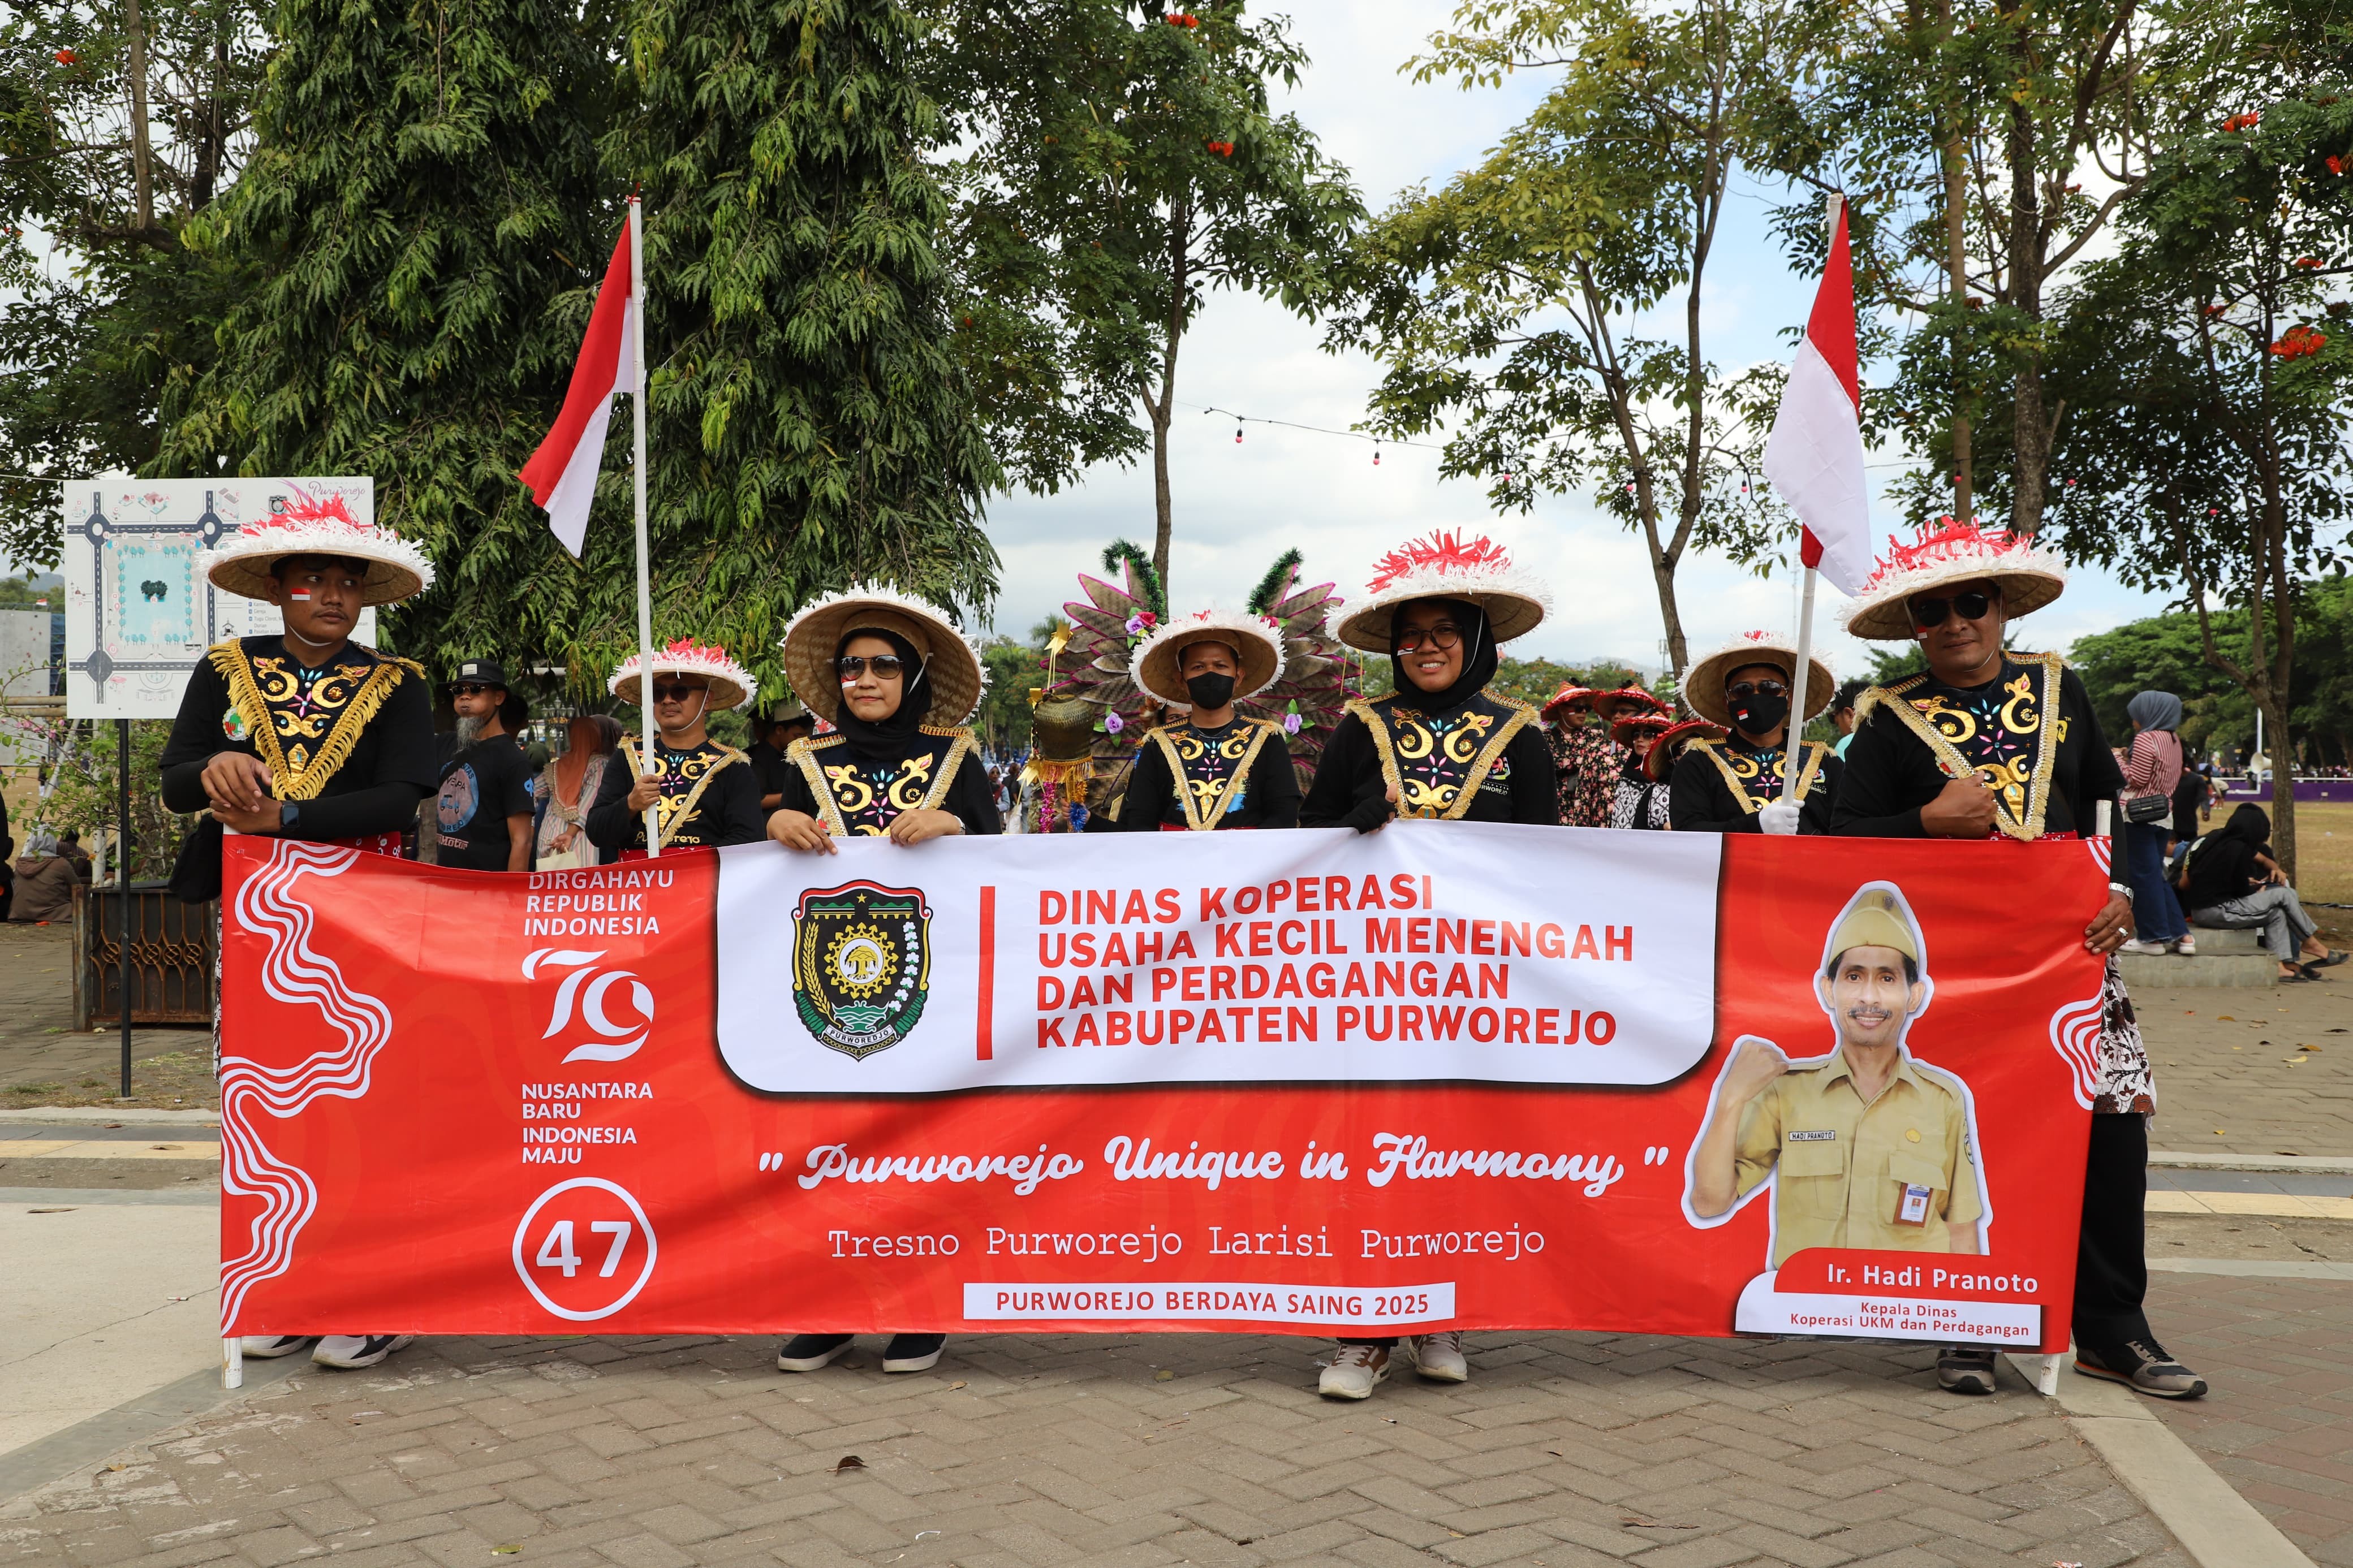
562 473
1814 456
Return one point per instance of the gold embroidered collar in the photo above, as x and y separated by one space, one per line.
1896 699
348 692
1518 715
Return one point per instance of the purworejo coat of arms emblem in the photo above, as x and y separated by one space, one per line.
862 964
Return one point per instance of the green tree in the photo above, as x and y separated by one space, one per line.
419 212
1509 304
2213 400
1117 164
810 423
119 124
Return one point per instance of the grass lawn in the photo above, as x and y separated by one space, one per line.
2323 856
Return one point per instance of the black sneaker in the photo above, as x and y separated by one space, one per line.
2143 1365
263 1347
912 1352
1965 1369
807 1352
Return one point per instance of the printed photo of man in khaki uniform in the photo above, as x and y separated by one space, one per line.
1865 1148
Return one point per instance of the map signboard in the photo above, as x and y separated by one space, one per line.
138 612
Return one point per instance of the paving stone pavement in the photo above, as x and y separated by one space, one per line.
1565 1450
2227 1080
2279 1424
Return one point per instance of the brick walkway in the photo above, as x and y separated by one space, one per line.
1565 1450
2279 1424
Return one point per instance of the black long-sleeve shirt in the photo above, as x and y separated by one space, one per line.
1269 795
868 799
1701 800
727 812
1891 772
388 765
1350 788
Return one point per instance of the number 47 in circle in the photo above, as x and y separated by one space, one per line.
548 1257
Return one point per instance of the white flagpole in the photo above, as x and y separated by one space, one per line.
1793 750
647 756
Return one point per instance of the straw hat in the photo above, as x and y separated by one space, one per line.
240 562
1256 642
1659 755
1944 554
732 685
1443 566
1703 682
1635 729
1571 698
951 663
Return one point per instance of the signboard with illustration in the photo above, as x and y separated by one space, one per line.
138 612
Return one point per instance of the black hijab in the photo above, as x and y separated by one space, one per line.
2250 824
887 744
1477 657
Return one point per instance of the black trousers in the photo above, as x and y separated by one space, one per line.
2112 1260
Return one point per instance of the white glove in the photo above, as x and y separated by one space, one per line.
1777 817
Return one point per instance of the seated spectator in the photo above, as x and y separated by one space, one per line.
2231 883
45 884
69 847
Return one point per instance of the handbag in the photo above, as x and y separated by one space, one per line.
2147 808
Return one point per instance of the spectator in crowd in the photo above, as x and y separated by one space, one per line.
69 847
2193 800
2231 883
568 784
484 810
45 883
1843 713
775 736
2152 770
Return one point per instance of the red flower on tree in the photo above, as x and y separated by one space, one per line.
2298 341
2336 164
65 56
2307 261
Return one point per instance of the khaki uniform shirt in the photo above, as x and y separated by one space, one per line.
1844 1166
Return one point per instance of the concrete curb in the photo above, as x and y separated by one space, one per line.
2310 1164
128 1116
133 1422
2215 1525
2253 1268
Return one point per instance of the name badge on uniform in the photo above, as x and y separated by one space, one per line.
1817 1136
1913 1208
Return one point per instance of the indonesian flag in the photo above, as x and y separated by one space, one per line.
562 473
1814 457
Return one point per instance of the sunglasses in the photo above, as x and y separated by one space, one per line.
886 667
669 693
1757 689
1446 634
1931 612
471 689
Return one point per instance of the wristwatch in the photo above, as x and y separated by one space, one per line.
2121 890
288 814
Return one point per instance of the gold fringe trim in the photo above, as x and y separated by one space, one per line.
727 754
245 695
803 753
1520 716
1956 766
1194 821
1814 751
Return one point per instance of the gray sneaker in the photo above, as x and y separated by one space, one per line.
1965 1369
2143 1365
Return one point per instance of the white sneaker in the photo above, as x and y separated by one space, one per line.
1439 1357
2187 946
2156 949
262 1347
1355 1373
352 1351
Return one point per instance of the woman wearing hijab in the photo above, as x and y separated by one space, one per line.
569 784
875 665
1440 746
2233 884
2152 769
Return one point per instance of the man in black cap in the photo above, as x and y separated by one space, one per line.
484 810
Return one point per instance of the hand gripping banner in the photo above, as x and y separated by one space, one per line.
1447 1074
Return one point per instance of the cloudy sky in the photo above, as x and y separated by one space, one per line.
1237 507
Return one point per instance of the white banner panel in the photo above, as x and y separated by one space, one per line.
138 613
1427 951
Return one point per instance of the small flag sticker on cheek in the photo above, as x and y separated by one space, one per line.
301 594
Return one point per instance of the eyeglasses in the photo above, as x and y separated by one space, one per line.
471 689
1747 689
1445 634
669 693
886 667
1928 612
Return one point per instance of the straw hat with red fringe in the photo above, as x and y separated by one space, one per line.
1944 554
732 685
1447 566
1703 682
1659 756
317 525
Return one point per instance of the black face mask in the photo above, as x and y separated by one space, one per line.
1760 714
1210 690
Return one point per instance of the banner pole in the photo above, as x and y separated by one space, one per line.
646 755
123 886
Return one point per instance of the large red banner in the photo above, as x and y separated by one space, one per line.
1442 1075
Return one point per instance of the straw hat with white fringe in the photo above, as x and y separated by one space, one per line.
951 663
